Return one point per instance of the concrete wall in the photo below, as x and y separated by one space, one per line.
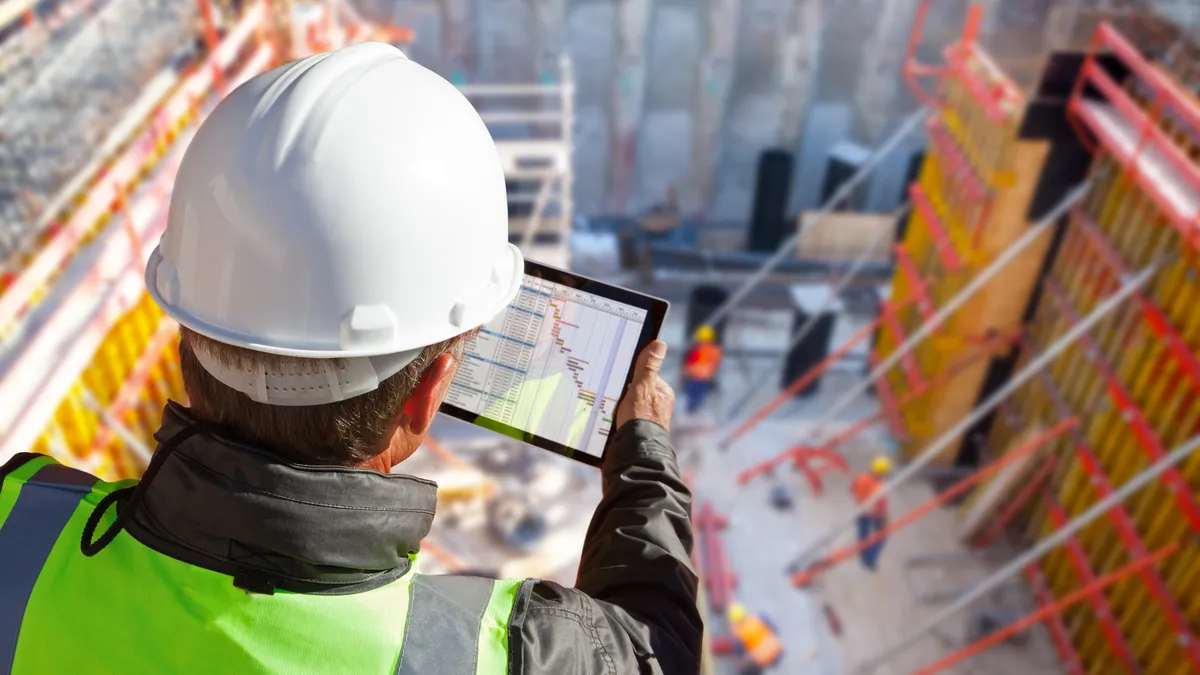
498 40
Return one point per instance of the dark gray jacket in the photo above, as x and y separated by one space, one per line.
228 507
633 608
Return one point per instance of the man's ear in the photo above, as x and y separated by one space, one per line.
422 404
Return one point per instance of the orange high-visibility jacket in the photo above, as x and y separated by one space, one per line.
702 362
762 645
866 485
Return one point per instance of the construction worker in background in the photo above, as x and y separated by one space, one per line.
874 520
756 639
700 368
338 226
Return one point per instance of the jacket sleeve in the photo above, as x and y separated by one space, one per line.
633 608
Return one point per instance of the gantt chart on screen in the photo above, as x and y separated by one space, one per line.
553 363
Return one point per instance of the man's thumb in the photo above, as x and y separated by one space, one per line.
650 360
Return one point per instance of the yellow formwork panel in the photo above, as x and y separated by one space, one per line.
143 343
980 200
1154 379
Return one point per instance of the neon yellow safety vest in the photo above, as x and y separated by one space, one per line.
136 610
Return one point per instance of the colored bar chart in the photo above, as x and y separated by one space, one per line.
553 364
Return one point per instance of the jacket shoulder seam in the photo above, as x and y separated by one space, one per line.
585 624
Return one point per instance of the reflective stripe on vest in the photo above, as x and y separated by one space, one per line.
185 615
43 505
444 616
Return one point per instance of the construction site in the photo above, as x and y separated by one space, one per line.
957 239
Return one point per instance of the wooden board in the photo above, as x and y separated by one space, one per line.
843 236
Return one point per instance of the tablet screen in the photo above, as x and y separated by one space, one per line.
552 365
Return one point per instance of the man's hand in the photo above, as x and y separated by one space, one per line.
648 397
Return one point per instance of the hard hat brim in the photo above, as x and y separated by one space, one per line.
509 258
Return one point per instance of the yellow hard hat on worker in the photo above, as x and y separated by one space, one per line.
736 612
706 334
881 465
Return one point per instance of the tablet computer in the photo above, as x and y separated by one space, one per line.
550 368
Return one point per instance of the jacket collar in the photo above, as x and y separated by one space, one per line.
236 509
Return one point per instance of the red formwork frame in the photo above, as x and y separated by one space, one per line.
1126 529
964 177
890 307
1167 96
1099 602
887 400
936 228
887 412
805 577
990 98
908 267
914 70
1058 630
908 362
1155 317
956 159
1151 445
1052 610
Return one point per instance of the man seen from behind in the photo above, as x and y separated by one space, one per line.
337 230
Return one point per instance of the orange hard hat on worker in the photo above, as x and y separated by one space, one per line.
761 643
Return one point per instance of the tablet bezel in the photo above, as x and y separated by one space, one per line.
656 314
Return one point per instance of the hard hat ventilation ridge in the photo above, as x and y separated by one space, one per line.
301 102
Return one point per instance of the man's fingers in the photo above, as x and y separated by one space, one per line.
650 360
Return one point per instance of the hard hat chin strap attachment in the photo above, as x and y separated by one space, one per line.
302 382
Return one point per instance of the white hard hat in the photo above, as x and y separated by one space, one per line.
349 205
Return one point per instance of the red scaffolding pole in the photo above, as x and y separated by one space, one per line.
1167 96
1014 506
908 362
937 229
1155 317
1058 630
1132 412
1055 608
813 373
1126 530
887 411
1078 559
908 267
805 577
